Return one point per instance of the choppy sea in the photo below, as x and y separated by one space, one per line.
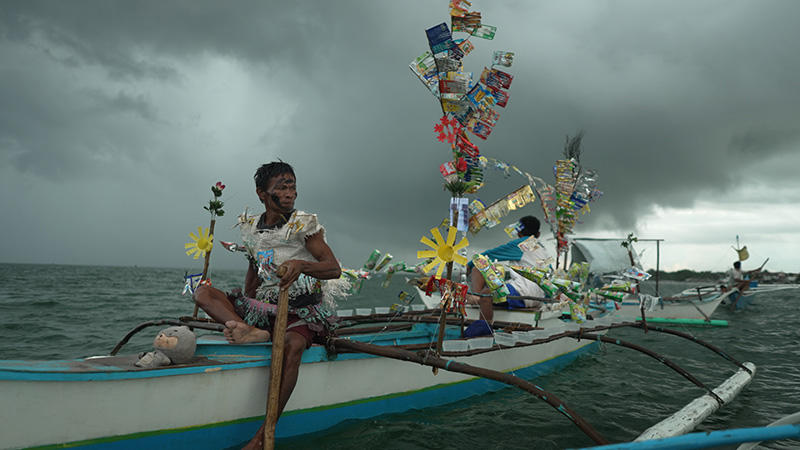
61 312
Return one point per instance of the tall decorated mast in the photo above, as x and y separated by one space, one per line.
468 110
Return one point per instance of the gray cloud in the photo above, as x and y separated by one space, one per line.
678 101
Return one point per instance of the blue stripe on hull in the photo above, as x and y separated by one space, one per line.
309 421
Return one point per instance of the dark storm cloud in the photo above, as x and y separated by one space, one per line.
677 99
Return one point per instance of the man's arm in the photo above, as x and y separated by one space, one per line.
326 267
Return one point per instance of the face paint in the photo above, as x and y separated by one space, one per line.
284 187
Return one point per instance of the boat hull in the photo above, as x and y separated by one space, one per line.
221 402
680 309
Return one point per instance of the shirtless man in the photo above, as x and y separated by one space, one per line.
305 252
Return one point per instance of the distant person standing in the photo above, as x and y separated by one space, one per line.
737 278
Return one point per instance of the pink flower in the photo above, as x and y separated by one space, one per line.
219 185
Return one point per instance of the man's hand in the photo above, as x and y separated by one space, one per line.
292 270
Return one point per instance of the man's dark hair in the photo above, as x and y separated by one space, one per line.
737 265
530 226
267 171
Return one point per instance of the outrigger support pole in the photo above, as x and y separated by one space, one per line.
212 326
652 354
427 359
705 344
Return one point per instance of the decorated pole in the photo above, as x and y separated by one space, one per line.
204 242
276 365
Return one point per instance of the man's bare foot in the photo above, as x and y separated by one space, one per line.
241 333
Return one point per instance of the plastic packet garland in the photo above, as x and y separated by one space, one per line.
370 263
491 216
467 104
454 295
394 268
493 279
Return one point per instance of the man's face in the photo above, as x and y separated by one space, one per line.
281 193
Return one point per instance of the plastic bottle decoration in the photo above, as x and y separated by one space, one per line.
443 251
391 271
577 312
492 278
370 263
538 276
386 259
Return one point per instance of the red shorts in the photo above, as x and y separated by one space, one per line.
302 330
241 303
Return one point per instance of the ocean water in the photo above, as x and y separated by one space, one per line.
60 312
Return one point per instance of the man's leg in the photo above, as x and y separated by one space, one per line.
216 304
294 346
292 355
485 303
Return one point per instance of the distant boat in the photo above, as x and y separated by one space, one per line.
690 304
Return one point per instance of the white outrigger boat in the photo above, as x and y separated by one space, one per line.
218 399
691 305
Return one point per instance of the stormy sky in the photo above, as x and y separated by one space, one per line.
116 117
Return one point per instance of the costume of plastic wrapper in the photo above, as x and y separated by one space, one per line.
264 259
374 264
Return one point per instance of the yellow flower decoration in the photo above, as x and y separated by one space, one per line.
443 251
202 243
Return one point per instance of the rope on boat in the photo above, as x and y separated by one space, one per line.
212 326
705 344
662 359
427 359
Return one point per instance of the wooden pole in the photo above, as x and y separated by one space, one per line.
454 366
658 263
443 316
700 298
276 365
205 264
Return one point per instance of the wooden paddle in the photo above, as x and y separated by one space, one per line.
276 365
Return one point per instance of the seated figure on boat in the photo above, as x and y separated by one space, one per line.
738 279
295 241
531 256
